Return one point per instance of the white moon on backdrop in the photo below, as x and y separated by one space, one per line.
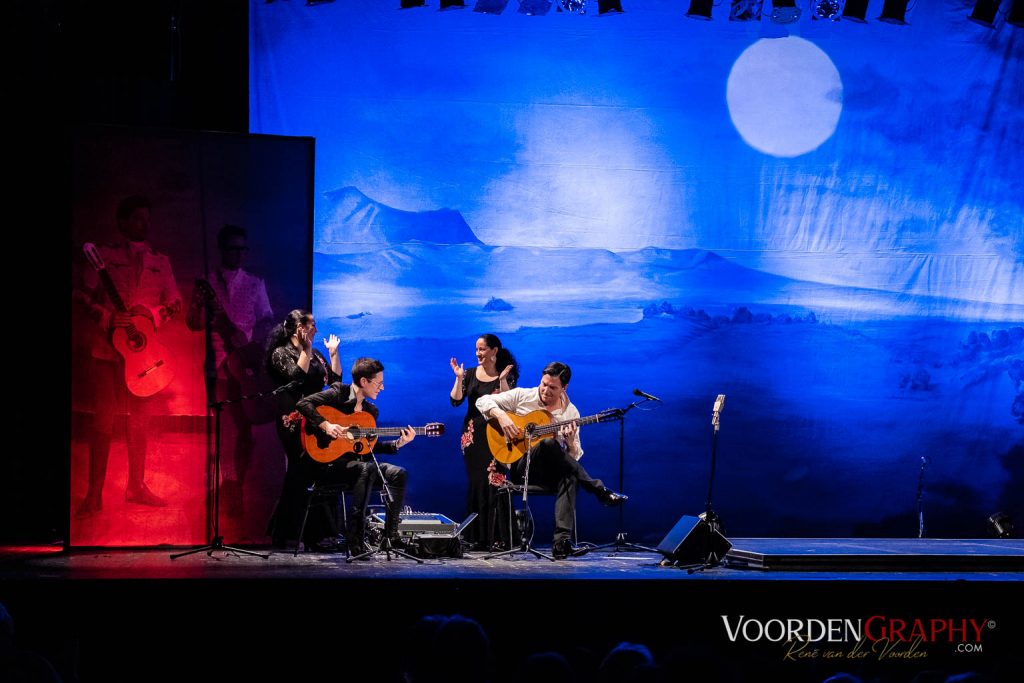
785 96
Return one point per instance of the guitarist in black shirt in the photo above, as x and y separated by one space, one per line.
358 471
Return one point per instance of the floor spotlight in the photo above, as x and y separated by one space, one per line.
449 4
534 8
605 6
700 9
984 13
856 10
408 4
490 6
894 12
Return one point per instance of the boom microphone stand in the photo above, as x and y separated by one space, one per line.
217 542
620 543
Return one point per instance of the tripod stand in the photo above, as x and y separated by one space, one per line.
385 541
217 542
524 517
620 543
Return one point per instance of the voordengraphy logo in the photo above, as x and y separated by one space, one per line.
881 636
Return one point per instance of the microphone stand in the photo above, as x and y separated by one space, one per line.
524 517
217 542
620 543
920 497
385 542
709 516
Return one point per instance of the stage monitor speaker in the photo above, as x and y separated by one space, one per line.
693 541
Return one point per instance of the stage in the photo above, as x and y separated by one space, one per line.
139 611
750 559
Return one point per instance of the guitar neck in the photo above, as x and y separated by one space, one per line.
115 297
553 427
397 431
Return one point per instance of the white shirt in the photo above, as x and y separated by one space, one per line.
521 401
244 298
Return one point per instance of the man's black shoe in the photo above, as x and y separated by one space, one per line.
561 549
609 498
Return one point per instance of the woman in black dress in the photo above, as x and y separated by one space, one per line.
292 358
496 371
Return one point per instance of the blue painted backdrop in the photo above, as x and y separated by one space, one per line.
823 222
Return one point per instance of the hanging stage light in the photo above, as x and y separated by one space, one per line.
573 6
894 12
825 9
490 6
700 9
984 13
856 10
1016 15
745 10
785 11
534 8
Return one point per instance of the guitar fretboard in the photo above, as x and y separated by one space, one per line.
589 419
397 431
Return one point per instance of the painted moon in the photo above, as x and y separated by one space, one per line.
784 96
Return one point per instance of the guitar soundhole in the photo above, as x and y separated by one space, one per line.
136 340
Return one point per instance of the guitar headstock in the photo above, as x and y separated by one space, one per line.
92 254
609 415
434 429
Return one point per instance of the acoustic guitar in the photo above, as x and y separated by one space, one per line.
146 366
245 361
361 434
534 427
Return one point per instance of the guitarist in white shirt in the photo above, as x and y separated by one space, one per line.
231 307
145 282
554 462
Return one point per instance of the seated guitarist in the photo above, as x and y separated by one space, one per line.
554 462
353 470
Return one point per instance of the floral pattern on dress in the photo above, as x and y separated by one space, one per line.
467 436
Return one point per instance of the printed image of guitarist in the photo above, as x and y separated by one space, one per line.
130 293
554 461
233 308
357 470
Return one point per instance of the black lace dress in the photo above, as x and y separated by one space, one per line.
287 517
492 523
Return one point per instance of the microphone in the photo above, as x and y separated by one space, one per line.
719 404
644 394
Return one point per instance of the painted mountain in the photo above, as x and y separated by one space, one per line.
352 221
